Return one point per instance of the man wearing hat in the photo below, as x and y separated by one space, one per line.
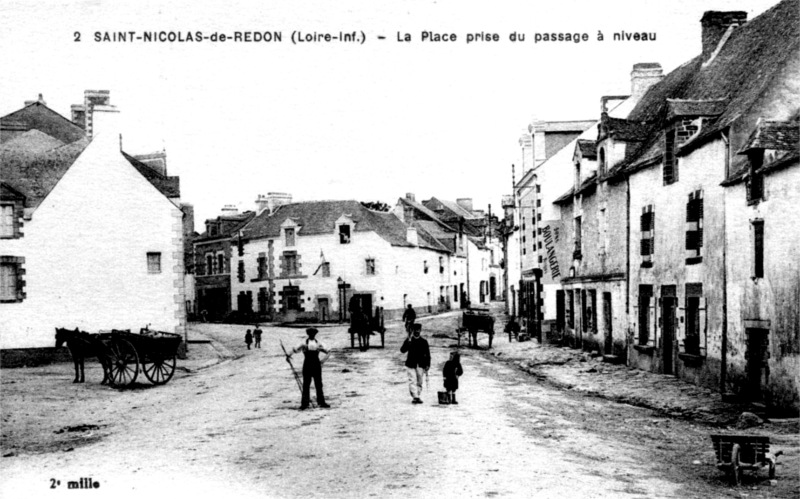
417 362
312 367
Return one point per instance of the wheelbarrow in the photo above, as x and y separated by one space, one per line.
737 453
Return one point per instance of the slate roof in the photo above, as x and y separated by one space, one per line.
421 208
319 217
739 74
43 145
677 108
427 239
454 208
779 135
565 198
230 226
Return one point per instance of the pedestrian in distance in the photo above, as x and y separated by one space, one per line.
312 367
451 372
409 317
512 328
248 338
417 363
257 336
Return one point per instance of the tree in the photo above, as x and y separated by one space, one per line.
376 205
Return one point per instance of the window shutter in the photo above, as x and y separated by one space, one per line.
644 223
651 319
703 323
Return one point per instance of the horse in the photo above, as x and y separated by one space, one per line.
360 323
82 345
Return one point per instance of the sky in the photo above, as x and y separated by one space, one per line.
339 120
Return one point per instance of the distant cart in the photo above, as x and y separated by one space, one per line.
155 351
736 453
474 320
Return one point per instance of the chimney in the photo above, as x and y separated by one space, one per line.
229 210
79 115
465 203
39 100
412 237
715 24
91 99
644 76
271 201
410 196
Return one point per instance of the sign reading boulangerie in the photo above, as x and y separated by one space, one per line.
555 260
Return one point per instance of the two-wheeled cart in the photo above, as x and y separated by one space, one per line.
155 351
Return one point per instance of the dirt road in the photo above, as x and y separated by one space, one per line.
235 428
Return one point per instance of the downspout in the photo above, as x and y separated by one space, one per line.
627 263
723 370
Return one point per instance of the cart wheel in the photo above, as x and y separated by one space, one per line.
159 370
124 363
736 471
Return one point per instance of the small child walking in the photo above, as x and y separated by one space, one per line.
452 370
248 338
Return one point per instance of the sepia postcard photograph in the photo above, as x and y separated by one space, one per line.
418 248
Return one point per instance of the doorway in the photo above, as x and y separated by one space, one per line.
669 306
609 337
757 366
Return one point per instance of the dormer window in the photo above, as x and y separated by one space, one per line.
670 161
601 168
289 233
344 234
755 180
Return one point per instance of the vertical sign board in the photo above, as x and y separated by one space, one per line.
555 254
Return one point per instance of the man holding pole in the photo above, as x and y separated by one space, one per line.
312 367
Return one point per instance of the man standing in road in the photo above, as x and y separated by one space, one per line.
409 316
257 336
312 367
417 362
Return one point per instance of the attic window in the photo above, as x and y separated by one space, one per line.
670 162
344 234
289 237
7 226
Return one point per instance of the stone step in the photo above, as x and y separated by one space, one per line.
612 359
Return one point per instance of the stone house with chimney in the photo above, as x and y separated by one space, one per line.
213 250
90 237
704 302
316 260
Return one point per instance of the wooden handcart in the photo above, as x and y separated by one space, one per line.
155 351
737 453
472 321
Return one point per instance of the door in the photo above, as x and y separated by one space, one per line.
560 311
323 308
609 343
668 307
757 367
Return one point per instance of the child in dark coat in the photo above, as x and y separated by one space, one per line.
452 370
248 338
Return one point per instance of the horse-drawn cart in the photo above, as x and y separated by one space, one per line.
736 453
154 350
474 320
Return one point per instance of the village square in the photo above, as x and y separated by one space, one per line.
623 321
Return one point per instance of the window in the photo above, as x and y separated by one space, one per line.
289 237
584 311
344 234
647 224
694 228
220 263
601 169
7 228
262 266
646 311
425 266
577 253
755 179
592 311
262 300
290 263
758 248
455 293
11 280
571 309
326 269
694 340
240 271
154 263
670 162
441 265
370 266
209 264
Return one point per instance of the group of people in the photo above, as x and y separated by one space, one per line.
418 362
249 337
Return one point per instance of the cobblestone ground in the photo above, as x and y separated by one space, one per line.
229 423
